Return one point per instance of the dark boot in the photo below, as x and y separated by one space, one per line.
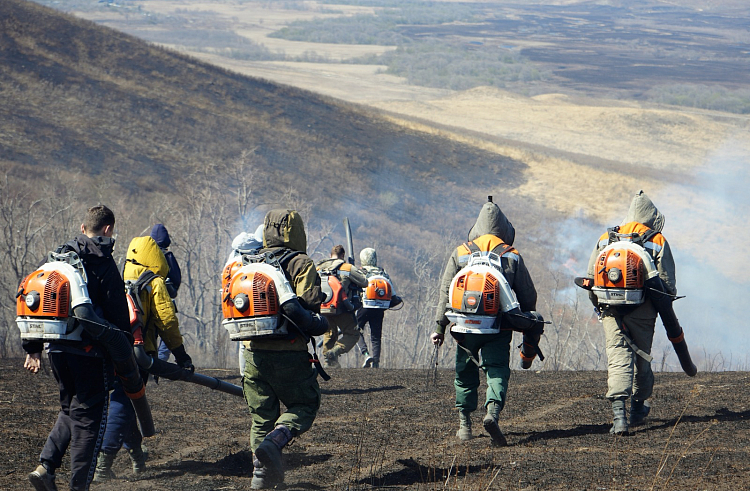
490 425
138 456
464 426
104 470
620 420
269 454
259 476
638 411
42 479
331 358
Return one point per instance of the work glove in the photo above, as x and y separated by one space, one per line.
183 359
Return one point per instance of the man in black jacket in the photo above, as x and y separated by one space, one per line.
81 367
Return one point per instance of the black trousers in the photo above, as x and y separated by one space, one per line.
80 424
374 317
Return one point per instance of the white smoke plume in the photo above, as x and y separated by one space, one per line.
705 225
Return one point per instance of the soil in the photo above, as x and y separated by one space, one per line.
395 429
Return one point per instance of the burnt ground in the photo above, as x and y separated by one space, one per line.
394 429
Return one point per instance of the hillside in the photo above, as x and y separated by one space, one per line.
394 429
90 113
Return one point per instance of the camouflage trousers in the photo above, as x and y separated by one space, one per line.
344 325
272 378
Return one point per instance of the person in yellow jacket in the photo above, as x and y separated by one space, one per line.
160 321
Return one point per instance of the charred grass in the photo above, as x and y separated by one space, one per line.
394 429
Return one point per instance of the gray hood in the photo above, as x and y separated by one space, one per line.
643 210
491 220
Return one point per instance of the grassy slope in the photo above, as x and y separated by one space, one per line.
82 97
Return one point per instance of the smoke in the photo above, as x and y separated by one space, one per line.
711 246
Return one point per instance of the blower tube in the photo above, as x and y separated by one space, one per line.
531 324
656 291
310 323
120 350
172 371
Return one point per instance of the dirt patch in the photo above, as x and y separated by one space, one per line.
395 429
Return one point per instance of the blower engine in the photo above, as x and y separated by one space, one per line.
379 293
478 294
46 299
53 304
258 302
622 270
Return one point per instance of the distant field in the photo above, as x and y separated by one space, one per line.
601 143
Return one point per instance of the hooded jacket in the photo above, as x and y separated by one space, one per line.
494 232
105 286
161 236
368 258
642 216
284 231
158 310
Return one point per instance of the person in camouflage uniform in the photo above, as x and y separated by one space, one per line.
279 371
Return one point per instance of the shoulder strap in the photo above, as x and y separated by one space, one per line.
472 246
135 287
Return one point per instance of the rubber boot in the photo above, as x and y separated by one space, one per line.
620 420
42 479
490 425
103 471
331 358
138 456
268 454
638 411
464 426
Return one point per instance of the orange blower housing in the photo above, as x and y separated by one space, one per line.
336 299
620 277
378 293
476 293
252 302
43 303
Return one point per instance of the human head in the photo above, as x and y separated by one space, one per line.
245 242
643 210
161 236
492 220
284 228
99 221
338 252
368 257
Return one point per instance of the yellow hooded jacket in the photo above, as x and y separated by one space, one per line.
159 313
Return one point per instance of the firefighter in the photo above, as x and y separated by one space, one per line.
174 277
344 321
279 371
160 321
81 368
491 232
629 330
368 258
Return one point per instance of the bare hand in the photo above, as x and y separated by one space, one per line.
437 338
33 362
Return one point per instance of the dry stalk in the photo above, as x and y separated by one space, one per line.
682 454
665 457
